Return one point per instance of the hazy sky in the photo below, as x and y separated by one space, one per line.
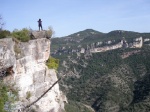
70 16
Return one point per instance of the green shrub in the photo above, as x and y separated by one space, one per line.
22 35
7 94
52 63
28 95
4 33
3 96
49 32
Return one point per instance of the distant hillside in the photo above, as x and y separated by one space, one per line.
73 40
108 82
115 80
85 33
89 36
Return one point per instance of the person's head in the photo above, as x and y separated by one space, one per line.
39 19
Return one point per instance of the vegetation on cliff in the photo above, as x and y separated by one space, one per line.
52 63
8 94
3 96
4 34
22 35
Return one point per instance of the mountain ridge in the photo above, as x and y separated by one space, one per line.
85 37
93 30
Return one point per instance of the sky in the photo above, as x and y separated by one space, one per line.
66 17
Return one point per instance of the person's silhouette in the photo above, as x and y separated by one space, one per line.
40 24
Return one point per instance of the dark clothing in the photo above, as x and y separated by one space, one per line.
40 24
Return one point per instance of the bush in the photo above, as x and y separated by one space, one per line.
49 32
52 63
22 35
28 95
4 33
7 94
3 96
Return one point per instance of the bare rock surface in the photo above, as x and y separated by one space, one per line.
30 74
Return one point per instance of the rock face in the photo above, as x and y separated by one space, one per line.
138 43
7 55
30 74
106 48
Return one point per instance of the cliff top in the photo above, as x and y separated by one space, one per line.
24 35
41 34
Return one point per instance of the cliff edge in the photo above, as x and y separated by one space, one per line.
28 72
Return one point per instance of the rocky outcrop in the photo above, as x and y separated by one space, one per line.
106 48
98 47
138 43
41 34
30 74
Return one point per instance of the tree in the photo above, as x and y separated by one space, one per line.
3 33
1 23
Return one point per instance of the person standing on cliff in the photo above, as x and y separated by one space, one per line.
40 24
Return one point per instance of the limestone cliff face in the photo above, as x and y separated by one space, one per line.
138 43
30 74
106 48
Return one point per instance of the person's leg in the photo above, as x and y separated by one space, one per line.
41 27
